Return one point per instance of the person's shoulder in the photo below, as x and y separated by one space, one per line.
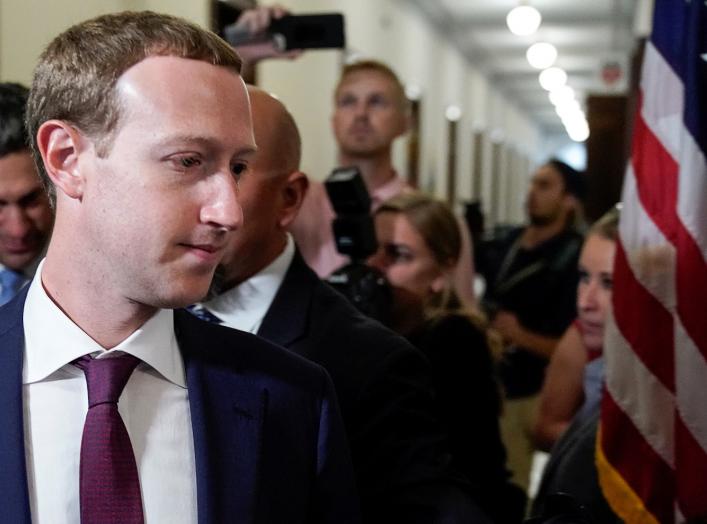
566 248
347 342
10 317
11 313
511 234
452 324
568 236
451 335
502 240
334 314
220 346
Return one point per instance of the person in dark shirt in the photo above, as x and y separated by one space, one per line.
419 245
531 297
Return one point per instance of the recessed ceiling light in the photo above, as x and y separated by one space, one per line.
569 109
561 95
541 55
579 133
413 91
453 113
552 78
523 20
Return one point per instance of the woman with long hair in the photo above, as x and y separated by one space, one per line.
571 395
419 246
572 383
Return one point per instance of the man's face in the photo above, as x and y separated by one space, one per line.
262 195
160 207
368 114
547 200
25 216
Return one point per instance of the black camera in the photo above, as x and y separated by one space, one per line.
354 231
355 236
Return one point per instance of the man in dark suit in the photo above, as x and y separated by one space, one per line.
264 287
141 128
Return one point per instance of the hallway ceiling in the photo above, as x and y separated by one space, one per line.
588 35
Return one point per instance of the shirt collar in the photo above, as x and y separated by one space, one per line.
53 340
245 305
391 188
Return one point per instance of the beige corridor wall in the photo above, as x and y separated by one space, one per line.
392 31
389 30
27 26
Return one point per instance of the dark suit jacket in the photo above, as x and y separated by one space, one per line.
268 440
399 452
469 405
571 470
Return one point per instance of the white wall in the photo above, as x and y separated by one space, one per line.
388 30
27 26
392 31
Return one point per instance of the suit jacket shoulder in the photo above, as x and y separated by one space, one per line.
383 386
269 444
469 405
13 473
267 427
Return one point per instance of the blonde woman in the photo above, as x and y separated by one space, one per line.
419 247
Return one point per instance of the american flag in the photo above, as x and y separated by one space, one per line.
652 444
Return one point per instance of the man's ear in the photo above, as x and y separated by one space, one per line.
293 192
59 144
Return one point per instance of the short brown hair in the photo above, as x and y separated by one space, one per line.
76 75
13 101
377 67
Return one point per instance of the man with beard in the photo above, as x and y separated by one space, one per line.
531 298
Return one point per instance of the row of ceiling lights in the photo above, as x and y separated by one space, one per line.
524 20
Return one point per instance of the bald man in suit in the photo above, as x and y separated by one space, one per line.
264 286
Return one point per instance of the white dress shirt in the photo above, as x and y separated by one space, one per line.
244 306
154 406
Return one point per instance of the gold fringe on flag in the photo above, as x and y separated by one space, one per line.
622 499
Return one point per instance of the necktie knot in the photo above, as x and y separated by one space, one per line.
106 377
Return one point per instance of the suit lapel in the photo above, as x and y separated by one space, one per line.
287 318
13 472
227 416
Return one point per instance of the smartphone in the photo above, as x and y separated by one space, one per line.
320 31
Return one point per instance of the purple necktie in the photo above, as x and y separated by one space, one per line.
109 484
